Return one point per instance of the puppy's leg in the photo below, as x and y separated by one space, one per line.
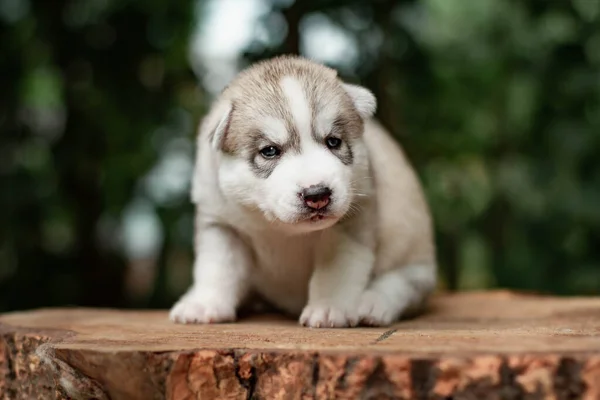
220 278
341 274
396 293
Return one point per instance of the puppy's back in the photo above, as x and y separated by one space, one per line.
404 229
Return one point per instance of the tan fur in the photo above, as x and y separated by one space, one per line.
404 221
261 83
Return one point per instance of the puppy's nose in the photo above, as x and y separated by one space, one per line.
316 196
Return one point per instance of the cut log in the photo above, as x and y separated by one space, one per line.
495 345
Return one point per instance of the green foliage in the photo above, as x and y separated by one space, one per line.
86 86
497 104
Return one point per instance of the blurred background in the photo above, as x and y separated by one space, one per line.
497 103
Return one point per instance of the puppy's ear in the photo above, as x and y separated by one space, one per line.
214 127
363 99
217 124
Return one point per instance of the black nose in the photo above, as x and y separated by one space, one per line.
316 196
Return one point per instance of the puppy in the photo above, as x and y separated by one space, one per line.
304 199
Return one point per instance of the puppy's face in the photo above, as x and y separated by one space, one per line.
291 144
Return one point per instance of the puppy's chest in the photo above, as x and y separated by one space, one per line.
283 267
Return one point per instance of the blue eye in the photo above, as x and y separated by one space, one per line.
270 152
333 142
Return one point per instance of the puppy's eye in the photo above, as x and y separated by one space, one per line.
270 152
333 142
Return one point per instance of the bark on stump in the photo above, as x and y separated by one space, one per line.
468 346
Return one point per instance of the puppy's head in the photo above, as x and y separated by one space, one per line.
290 136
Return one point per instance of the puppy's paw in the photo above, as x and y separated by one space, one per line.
324 315
193 310
375 310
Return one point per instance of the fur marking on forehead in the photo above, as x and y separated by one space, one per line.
324 118
275 130
308 98
299 105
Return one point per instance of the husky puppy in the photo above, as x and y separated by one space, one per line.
304 199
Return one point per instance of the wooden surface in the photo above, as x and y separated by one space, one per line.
469 346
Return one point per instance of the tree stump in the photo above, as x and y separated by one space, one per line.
494 345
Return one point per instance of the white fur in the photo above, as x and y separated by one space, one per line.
395 292
215 122
298 105
324 119
275 130
221 273
315 165
371 262
363 99
342 270
225 112
277 196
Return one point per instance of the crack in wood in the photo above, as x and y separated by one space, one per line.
316 369
377 385
510 388
567 380
247 383
11 352
348 369
11 375
423 377
385 335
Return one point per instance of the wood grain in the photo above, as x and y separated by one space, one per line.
494 345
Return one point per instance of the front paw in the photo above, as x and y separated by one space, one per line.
190 310
327 315
375 310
